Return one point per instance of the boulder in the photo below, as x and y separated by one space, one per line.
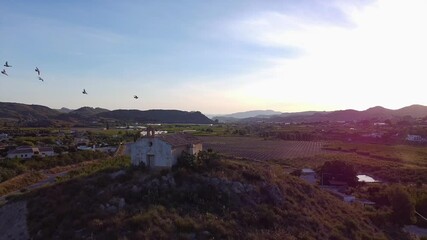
117 174
122 203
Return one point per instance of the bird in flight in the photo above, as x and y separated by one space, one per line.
37 70
41 79
7 64
136 97
4 72
84 91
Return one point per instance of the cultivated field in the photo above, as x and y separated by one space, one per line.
260 149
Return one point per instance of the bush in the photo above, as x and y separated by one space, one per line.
402 205
186 160
203 160
339 170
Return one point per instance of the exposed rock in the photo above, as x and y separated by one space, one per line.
114 175
164 178
135 189
273 193
237 187
204 235
111 209
249 188
215 181
188 236
122 203
155 183
171 182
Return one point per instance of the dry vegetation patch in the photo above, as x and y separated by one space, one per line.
233 199
20 182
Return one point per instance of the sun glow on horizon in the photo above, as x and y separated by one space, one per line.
378 61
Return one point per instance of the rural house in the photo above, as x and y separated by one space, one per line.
26 152
162 151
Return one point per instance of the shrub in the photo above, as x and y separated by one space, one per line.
186 160
402 205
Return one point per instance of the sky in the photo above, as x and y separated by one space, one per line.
217 56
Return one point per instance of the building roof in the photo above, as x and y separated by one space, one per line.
45 149
29 149
179 139
21 151
24 147
307 170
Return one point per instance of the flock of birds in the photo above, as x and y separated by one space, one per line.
37 70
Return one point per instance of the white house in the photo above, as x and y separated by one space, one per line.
26 152
162 151
21 152
46 152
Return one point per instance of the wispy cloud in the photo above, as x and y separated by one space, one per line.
371 61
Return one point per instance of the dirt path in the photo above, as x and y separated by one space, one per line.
13 221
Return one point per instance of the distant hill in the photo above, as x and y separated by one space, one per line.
64 110
36 115
26 112
157 116
418 111
88 111
375 113
248 114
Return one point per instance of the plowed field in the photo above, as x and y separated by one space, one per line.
260 149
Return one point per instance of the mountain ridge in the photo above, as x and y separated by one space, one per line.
378 112
32 115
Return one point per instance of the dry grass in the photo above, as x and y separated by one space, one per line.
195 208
20 182
60 169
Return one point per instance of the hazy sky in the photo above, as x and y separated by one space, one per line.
217 56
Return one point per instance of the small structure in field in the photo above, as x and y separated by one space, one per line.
4 137
415 138
309 175
162 151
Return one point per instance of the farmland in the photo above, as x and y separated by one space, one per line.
260 149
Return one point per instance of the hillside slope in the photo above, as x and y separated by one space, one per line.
88 111
221 199
26 112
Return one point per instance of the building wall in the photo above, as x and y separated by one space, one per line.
47 154
162 152
177 152
309 178
196 148
20 155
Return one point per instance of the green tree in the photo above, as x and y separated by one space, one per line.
340 171
402 205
